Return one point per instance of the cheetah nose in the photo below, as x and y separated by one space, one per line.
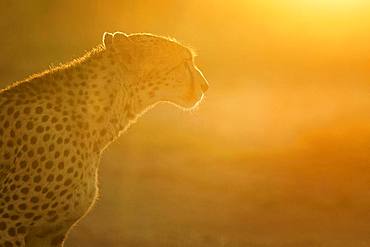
204 86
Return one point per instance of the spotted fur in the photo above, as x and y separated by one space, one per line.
55 125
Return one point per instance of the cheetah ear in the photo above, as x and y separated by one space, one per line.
123 44
107 39
121 39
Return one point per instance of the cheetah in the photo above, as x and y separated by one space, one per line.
54 127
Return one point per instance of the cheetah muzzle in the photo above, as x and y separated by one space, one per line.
55 125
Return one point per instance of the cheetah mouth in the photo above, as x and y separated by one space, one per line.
192 100
191 95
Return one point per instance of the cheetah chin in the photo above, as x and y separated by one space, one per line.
55 125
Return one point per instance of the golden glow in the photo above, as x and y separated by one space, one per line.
329 4
276 155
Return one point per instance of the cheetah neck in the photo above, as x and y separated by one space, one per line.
112 103
95 95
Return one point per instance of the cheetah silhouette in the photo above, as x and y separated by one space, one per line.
55 125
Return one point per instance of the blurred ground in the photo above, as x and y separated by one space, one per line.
277 155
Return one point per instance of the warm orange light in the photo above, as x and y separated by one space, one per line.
329 4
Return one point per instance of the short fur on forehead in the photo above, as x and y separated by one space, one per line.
109 39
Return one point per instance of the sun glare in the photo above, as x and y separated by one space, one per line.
327 24
328 5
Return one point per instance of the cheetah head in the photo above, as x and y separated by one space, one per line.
162 69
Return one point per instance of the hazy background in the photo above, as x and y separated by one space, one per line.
277 155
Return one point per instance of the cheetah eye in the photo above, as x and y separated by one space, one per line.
187 67
189 60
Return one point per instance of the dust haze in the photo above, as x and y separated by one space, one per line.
278 153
